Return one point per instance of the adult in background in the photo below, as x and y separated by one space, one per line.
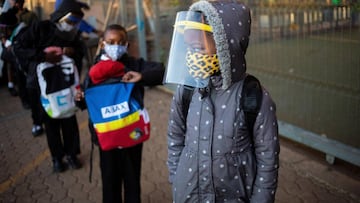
25 18
83 25
22 13
8 23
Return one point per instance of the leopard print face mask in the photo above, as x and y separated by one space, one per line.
202 66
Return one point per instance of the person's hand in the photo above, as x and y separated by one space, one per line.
7 43
3 40
99 33
79 96
53 54
132 76
9 48
68 51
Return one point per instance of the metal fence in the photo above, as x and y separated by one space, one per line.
309 59
286 22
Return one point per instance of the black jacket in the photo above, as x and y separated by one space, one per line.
29 46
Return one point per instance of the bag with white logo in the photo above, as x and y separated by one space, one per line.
118 119
58 84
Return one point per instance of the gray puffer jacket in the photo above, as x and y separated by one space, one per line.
211 156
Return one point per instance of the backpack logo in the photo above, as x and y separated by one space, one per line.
61 100
115 110
136 134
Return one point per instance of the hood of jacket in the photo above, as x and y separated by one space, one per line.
66 7
230 22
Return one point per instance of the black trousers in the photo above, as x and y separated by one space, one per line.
35 105
121 166
22 90
62 136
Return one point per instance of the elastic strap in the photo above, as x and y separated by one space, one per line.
91 161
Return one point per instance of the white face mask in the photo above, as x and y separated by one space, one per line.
115 51
65 27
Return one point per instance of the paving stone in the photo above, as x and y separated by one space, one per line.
22 190
284 197
25 199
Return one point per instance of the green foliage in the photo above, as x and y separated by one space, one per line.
335 2
356 7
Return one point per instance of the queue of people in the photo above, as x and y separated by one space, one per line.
220 148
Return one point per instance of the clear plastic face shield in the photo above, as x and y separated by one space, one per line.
71 19
192 57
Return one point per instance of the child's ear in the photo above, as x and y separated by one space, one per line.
101 44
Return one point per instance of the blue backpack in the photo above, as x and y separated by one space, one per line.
118 119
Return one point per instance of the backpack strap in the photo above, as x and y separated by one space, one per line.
91 161
251 98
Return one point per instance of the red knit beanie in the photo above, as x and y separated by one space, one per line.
106 69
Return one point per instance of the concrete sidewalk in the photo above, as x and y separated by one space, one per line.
26 171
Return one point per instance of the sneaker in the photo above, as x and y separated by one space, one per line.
58 165
73 162
37 130
13 91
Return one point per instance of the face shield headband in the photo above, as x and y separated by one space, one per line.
70 18
181 26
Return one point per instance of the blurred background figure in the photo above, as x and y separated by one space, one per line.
22 13
83 25
25 18
8 23
59 32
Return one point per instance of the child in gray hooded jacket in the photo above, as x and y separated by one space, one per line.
213 155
